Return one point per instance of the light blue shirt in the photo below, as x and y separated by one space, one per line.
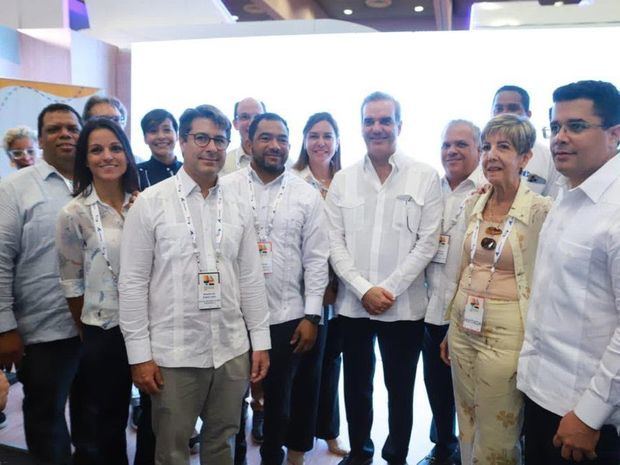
31 298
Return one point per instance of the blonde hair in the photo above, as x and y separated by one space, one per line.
519 131
20 132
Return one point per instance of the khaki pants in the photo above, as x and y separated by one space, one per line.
214 395
484 370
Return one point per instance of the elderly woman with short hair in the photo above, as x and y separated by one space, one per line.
20 144
488 310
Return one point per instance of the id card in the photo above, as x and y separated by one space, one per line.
441 256
266 256
474 314
209 291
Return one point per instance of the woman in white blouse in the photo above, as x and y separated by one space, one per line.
315 403
88 241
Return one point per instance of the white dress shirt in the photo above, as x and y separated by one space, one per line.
540 172
442 278
236 159
570 358
83 268
299 242
158 285
384 235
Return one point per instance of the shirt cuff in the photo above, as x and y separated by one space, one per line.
7 321
72 287
314 305
138 351
260 339
593 411
360 286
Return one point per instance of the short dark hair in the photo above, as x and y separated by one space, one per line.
264 116
82 176
203 111
304 159
113 101
377 96
237 106
54 107
155 117
604 95
525 97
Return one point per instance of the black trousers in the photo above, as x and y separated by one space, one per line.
328 416
51 373
400 343
541 425
107 381
145 438
438 382
285 367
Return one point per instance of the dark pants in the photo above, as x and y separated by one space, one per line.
50 373
107 381
541 425
305 397
278 386
145 438
438 382
400 343
328 417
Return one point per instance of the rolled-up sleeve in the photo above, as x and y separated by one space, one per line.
137 250
10 240
70 249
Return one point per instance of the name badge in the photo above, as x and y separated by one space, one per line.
266 256
441 256
474 314
209 291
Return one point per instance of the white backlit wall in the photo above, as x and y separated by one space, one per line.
437 76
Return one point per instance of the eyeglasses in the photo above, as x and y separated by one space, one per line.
573 127
20 153
202 140
244 117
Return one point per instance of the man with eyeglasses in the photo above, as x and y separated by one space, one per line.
570 361
192 297
540 173
290 227
244 112
37 333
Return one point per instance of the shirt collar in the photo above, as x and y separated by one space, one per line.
256 178
520 208
597 183
163 166
472 181
92 198
188 185
396 160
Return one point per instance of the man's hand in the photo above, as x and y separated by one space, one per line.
147 377
444 351
260 365
304 336
11 349
377 300
576 439
4 390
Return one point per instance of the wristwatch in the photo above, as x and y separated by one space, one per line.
314 319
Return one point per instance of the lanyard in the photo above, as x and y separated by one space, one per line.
219 230
94 211
498 250
272 213
454 220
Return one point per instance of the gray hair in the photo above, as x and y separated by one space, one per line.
20 132
378 96
519 131
475 130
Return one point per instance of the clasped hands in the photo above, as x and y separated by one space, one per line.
377 300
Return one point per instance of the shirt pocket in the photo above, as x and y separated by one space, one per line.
352 214
231 240
174 241
571 283
407 212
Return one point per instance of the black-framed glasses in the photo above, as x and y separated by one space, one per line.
202 139
572 126
20 153
488 243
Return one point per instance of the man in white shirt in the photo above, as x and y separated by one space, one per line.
244 112
37 333
384 217
570 361
289 219
540 173
460 156
190 290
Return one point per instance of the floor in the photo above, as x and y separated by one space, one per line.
420 444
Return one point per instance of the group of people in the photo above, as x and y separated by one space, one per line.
192 279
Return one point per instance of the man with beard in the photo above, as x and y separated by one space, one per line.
290 227
384 216
37 332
